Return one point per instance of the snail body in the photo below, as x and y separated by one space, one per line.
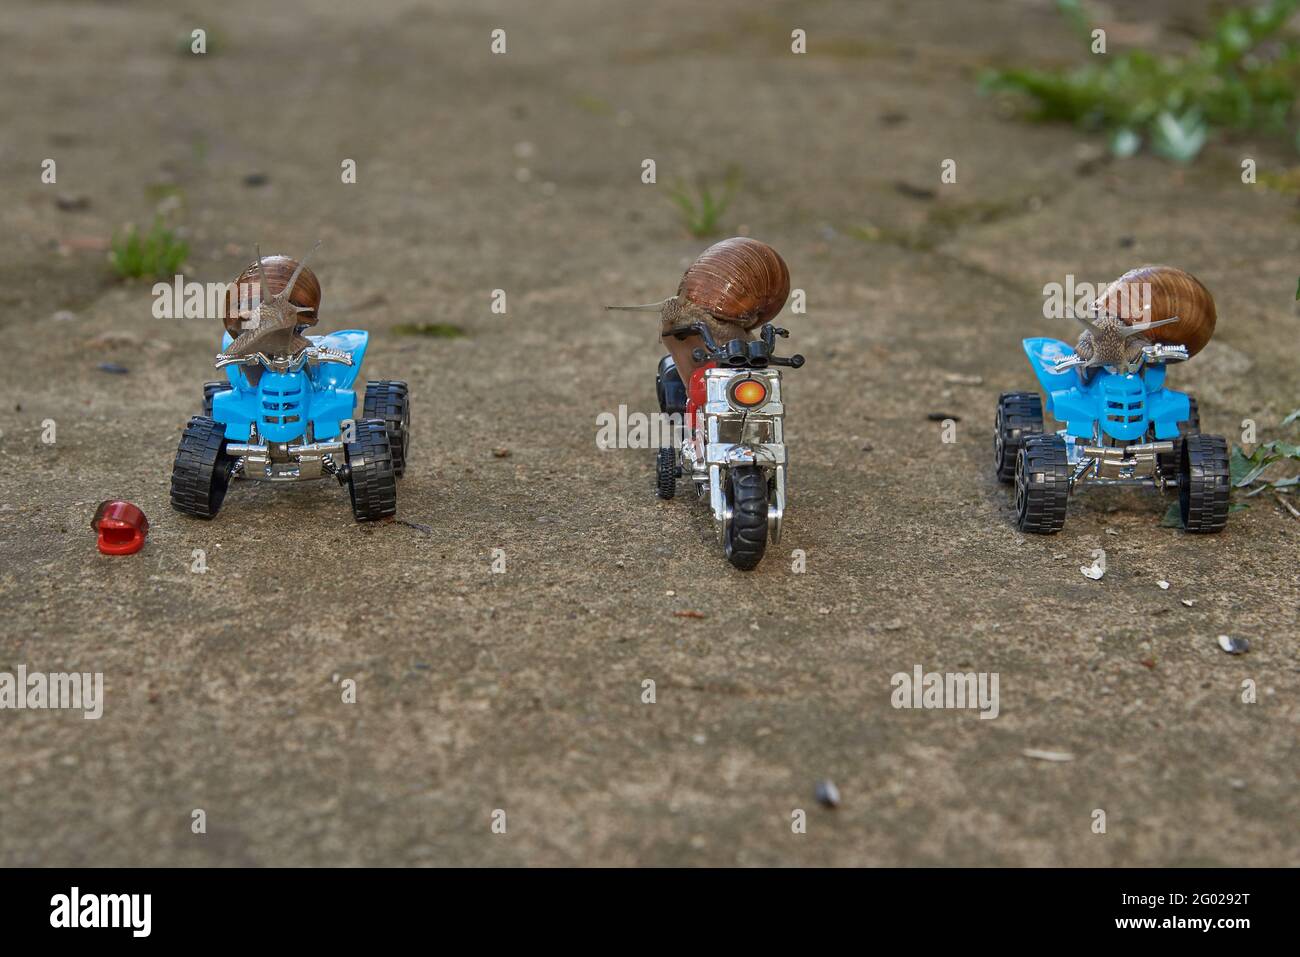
1107 342
1170 305
734 287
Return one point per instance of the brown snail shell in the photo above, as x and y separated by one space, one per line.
1172 292
740 281
248 294
732 288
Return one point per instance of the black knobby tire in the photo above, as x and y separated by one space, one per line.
746 537
1020 414
1204 484
201 471
209 390
387 399
666 473
1171 464
372 483
1042 484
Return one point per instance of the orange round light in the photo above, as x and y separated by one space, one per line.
751 392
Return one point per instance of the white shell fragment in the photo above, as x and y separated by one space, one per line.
1234 646
1093 571
1164 585
1047 755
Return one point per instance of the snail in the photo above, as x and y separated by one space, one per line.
1137 303
273 326
734 287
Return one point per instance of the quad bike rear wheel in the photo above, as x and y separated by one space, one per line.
209 390
1203 484
387 399
1020 414
667 473
1042 484
1170 465
201 471
745 538
372 483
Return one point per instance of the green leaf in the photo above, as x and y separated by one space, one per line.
1238 465
1124 142
1178 138
1254 474
1296 414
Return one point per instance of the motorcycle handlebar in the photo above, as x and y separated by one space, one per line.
739 353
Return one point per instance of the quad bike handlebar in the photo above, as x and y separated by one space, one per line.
1156 352
755 354
286 363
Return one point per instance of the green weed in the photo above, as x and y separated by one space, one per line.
158 254
1243 76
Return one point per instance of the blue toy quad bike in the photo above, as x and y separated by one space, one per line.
289 418
1122 427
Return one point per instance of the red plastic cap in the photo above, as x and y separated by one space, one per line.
121 527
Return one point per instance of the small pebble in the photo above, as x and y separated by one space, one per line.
1234 646
1164 585
827 794
257 179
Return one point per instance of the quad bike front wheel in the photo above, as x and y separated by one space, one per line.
745 538
1203 483
387 399
372 483
1042 484
201 471
1020 414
